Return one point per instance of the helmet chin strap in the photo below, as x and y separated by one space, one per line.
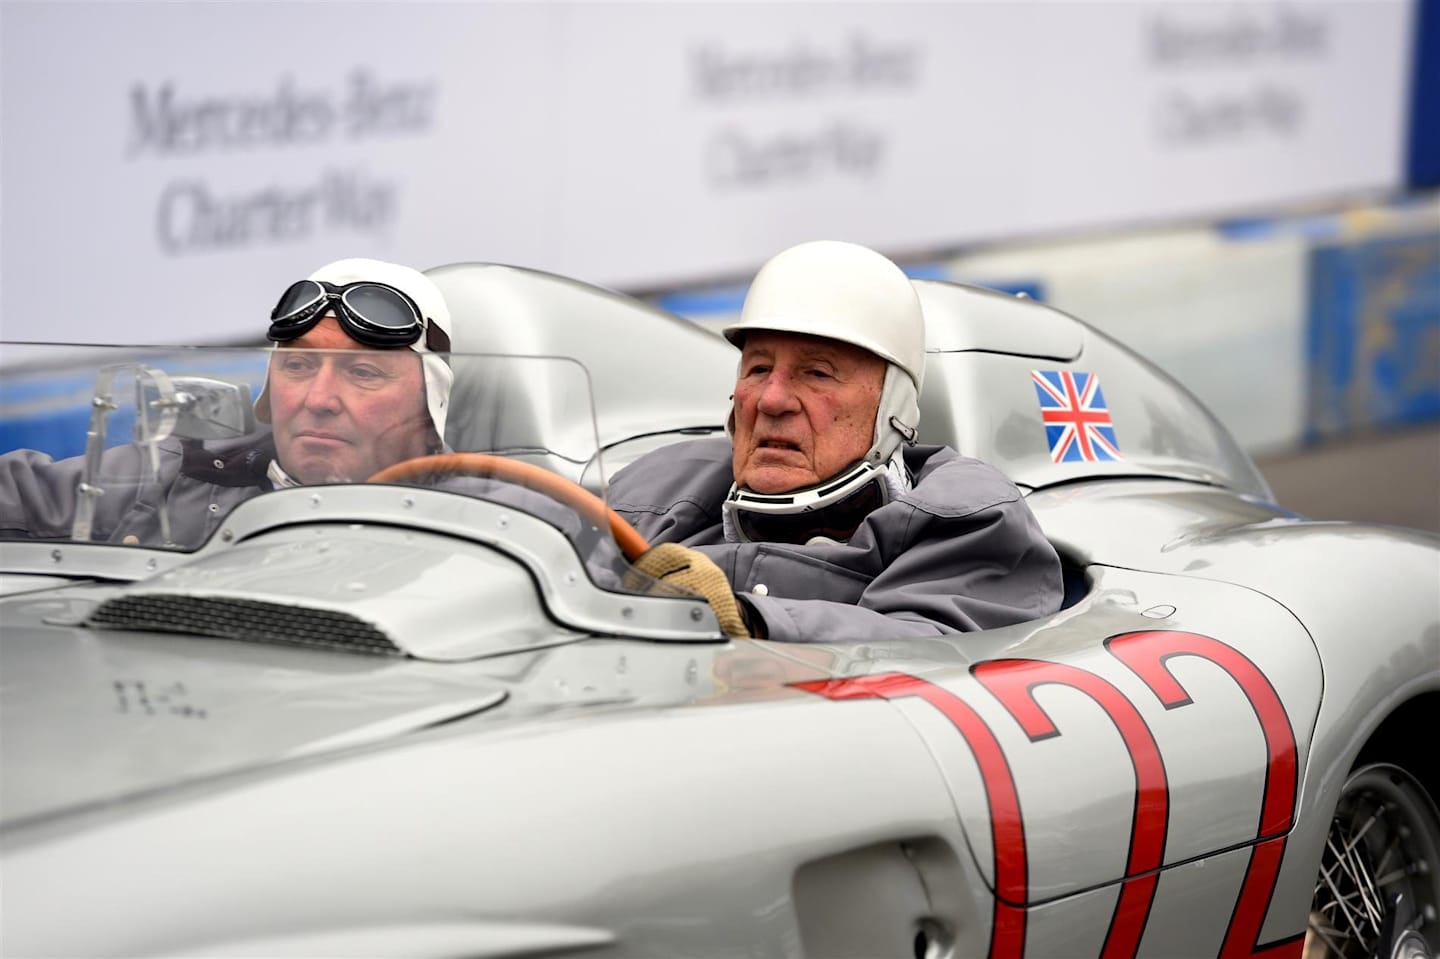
828 512
897 417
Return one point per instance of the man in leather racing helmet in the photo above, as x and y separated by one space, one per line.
368 401
823 513
358 381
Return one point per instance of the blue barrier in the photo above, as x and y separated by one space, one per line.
1423 161
1373 336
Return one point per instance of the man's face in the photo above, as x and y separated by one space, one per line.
804 409
343 416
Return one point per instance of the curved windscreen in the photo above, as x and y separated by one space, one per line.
155 448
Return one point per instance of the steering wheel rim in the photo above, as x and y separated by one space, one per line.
587 504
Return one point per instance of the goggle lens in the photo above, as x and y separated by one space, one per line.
370 313
381 306
297 301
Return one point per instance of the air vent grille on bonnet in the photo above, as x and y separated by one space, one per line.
246 620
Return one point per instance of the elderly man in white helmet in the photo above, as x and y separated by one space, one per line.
357 382
822 519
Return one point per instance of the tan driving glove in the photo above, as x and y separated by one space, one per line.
691 569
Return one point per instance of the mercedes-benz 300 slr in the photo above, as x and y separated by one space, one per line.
440 714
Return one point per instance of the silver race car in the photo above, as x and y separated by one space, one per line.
439 714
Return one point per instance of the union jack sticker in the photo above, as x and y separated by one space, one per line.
1077 421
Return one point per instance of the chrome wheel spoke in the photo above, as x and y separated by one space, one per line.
1376 891
1364 881
1327 934
1394 876
1342 900
1355 839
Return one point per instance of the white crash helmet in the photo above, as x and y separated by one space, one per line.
840 291
850 293
427 296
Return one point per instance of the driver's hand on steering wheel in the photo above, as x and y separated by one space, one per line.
693 570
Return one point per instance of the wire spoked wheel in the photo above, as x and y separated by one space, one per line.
1378 892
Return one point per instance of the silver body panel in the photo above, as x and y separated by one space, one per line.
1151 770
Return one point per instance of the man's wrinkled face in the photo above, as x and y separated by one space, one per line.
343 416
804 409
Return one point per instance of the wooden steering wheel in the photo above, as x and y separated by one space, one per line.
573 495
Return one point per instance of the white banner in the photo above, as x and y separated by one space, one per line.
167 168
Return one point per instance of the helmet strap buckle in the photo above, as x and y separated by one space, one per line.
910 433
